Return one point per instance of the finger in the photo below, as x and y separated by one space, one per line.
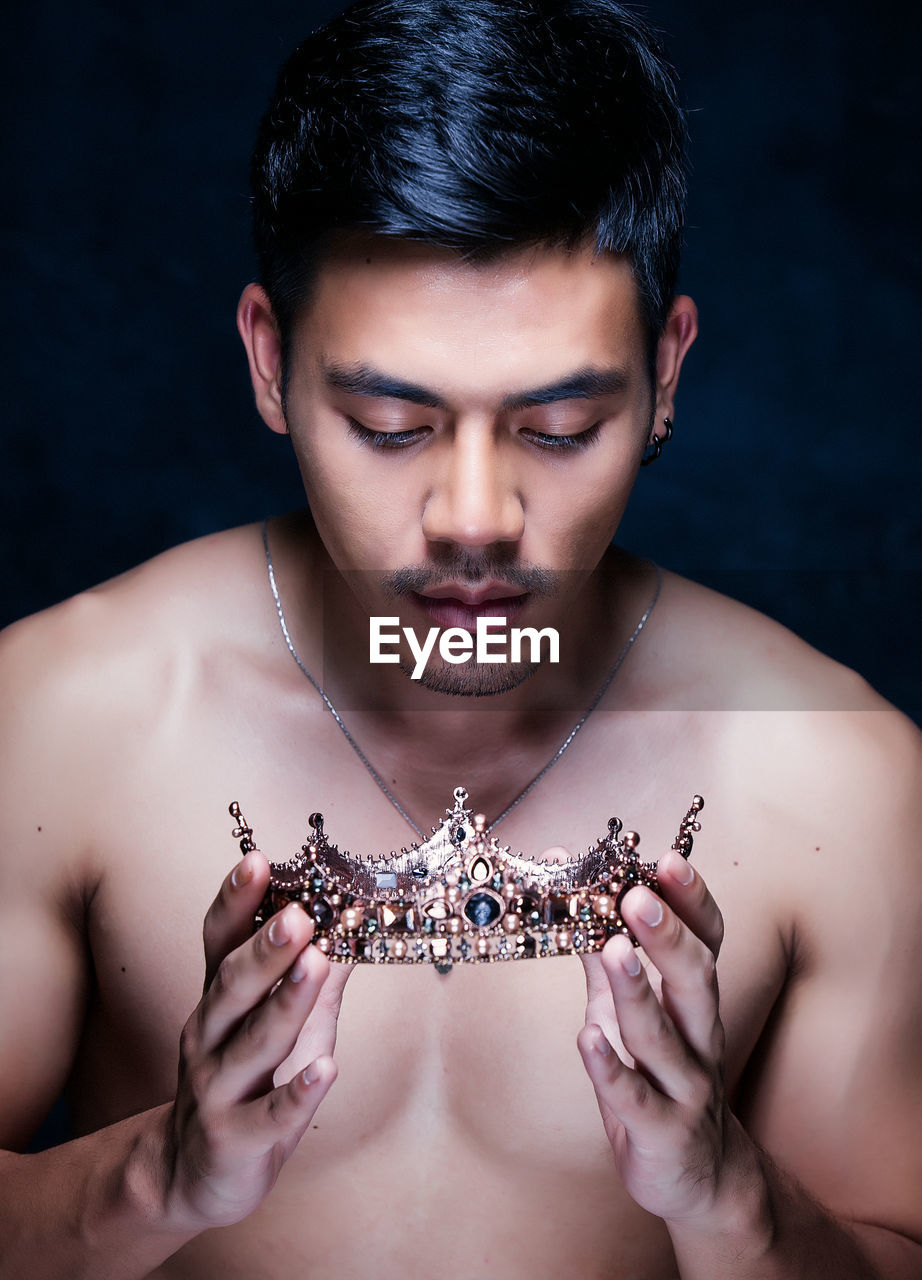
329 1003
285 1112
318 1034
597 985
647 1032
623 1095
251 1054
245 977
600 1007
684 889
687 965
229 919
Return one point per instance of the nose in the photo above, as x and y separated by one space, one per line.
473 501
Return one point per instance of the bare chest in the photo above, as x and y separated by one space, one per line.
462 1110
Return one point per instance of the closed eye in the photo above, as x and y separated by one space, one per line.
578 440
385 439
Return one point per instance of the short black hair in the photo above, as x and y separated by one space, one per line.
477 126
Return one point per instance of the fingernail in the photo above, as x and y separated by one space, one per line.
650 909
683 871
278 931
311 1074
242 873
630 962
298 971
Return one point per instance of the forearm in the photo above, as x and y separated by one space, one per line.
766 1226
94 1207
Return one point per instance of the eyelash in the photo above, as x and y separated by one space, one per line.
582 439
403 439
382 439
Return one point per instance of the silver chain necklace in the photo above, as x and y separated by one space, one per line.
361 754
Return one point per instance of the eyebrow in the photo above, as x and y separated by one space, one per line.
584 384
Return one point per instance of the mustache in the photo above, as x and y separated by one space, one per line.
470 570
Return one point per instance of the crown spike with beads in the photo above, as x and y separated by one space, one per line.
459 897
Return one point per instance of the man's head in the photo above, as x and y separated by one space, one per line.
469 219
474 125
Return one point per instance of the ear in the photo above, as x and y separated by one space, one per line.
680 332
257 327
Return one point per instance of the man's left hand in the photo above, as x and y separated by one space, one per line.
653 1046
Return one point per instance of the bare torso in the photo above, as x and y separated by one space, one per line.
462 1136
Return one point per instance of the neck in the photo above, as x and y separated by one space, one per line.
420 741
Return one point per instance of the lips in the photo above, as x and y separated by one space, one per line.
458 607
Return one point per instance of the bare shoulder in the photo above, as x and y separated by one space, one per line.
824 777
89 679
803 725
131 616
722 655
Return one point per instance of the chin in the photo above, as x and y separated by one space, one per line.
473 680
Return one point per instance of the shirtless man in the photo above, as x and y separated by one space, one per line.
470 370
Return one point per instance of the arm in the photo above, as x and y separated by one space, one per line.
118 1202
838 1105
681 1152
784 1232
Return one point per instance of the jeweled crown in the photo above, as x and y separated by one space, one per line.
459 897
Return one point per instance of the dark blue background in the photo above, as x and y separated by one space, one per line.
792 481
793 478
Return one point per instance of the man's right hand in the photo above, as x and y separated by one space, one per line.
232 1128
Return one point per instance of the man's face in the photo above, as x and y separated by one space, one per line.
468 434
